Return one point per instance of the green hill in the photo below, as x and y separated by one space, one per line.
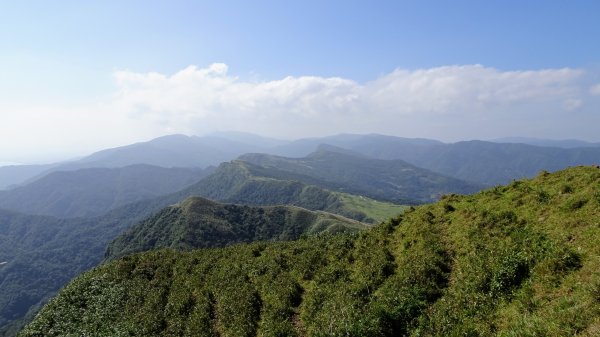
519 260
46 258
391 180
199 222
241 182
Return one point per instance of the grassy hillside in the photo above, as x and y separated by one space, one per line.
391 180
241 182
378 210
199 222
44 258
95 191
519 260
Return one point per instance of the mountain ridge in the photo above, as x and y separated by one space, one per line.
87 237
211 150
391 180
199 222
94 191
499 262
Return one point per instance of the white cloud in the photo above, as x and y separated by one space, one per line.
448 103
196 99
595 90
472 88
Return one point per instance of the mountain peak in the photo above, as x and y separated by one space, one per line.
328 149
197 204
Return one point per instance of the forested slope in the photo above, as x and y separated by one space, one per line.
198 223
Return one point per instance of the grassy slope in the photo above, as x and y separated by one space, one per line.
199 223
43 262
520 260
241 182
376 210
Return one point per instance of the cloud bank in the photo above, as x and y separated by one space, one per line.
196 100
448 103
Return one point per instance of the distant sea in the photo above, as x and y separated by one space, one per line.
7 163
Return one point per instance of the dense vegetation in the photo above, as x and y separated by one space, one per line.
519 260
391 180
199 222
95 191
44 253
44 260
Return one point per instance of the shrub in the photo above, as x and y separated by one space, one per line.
566 189
542 196
512 270
575 204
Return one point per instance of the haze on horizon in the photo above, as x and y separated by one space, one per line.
80 77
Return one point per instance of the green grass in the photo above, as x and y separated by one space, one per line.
200 223
503 262
376 210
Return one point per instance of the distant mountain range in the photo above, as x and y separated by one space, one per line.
168 152
481 162
95 191
489 163
391 180
562 143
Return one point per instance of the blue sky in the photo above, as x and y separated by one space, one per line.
61 59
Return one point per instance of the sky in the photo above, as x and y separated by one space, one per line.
80 76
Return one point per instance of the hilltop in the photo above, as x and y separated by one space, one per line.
242 182
198 222
516 260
